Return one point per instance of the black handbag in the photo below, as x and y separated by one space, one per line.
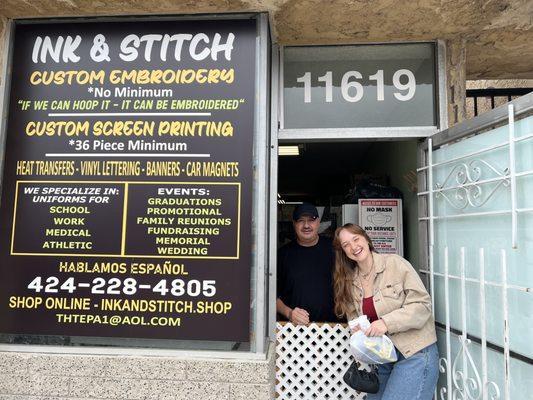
361 380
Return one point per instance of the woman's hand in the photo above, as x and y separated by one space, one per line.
377 328
356 328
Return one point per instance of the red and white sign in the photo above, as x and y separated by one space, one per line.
382 221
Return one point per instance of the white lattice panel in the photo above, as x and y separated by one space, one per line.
310 362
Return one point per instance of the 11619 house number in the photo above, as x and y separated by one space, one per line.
352 91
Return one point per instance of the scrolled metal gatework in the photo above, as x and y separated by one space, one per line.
443 369
465 387
463 186
466 381
496 390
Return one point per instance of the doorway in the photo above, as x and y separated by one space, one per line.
333 174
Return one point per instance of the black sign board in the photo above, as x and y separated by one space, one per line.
127 187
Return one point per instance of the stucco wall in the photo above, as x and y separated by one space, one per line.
498 33
456 80
484 103
499 83
55 376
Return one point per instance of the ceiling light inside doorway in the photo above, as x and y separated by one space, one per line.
289 150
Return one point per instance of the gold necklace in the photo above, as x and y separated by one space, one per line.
365 276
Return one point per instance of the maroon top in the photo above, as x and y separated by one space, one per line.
369 310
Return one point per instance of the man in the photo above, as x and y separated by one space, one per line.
305 270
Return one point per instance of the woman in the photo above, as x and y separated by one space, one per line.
386 288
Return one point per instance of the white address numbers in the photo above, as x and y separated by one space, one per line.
352 90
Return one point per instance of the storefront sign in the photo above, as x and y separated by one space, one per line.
382 221
126 204
359 86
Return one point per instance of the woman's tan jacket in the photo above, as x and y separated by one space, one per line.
401 301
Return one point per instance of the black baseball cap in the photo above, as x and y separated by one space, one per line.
304 209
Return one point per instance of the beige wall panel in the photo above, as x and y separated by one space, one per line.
44 375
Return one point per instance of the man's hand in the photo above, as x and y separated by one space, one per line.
377 328
298 316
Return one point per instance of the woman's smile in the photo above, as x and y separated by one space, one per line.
358 251
355 246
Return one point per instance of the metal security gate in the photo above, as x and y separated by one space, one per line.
476 209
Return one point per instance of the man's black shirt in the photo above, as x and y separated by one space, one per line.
305 278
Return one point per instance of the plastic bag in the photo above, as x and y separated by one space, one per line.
370 350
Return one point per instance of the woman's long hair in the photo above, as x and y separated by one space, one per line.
344 271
